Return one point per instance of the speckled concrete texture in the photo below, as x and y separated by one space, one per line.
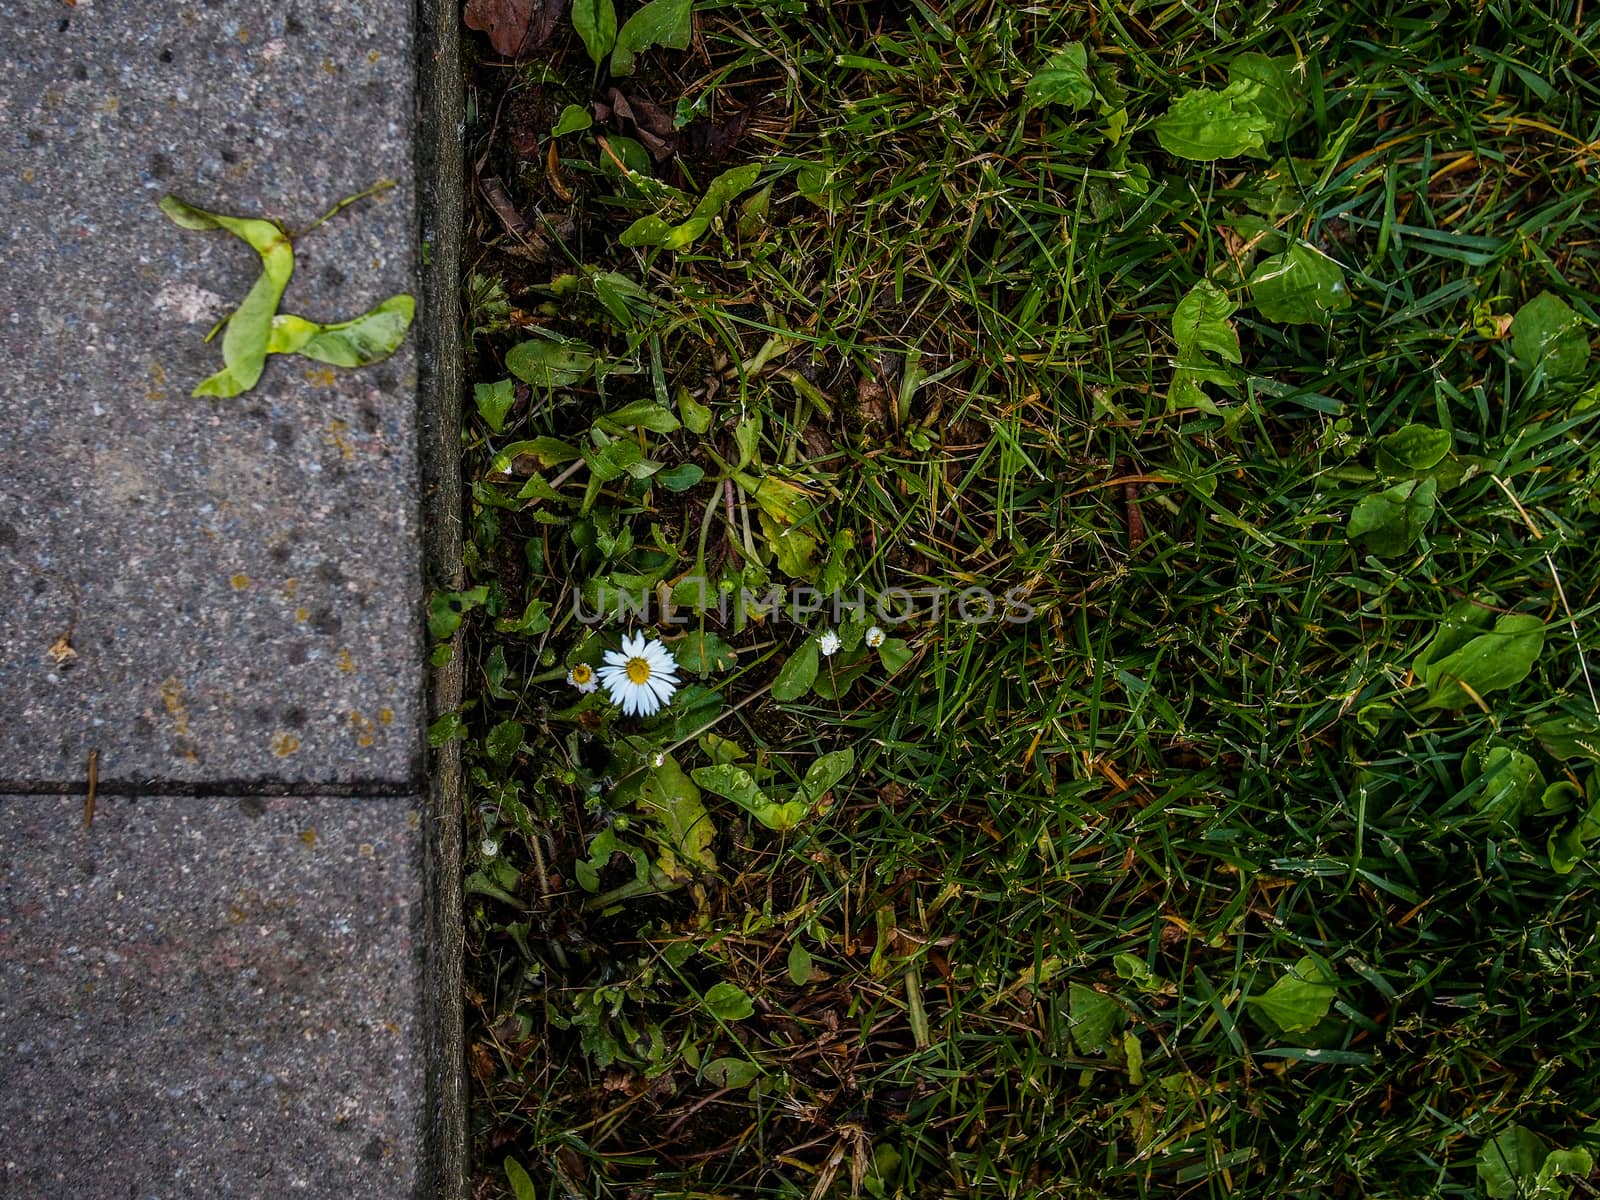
209 998
236 580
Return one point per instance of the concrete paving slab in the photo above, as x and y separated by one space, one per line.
236 580
210 998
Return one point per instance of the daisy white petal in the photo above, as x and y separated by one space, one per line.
828 643
641 677
875 637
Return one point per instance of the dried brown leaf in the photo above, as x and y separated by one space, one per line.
515 27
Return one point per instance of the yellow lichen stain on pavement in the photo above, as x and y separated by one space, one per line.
291 585
110 104
309 836
172 698
158 380
385 716
335 435
366 850
374 55
346 663
364 729
285 744
302 615
27 175
320 377
240 581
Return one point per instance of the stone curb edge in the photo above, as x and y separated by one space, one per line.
441 197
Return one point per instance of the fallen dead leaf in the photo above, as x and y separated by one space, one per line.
62 650
515 27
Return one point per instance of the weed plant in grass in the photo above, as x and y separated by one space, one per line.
1246 351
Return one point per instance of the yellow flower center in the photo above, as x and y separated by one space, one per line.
581 673
638 669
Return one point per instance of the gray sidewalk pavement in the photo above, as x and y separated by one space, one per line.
236 580
209 997
236 979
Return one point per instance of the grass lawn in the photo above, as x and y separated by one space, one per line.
1242 354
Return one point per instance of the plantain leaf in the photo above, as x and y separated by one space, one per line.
596 23
1301 286
659 23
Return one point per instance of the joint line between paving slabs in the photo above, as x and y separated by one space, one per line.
357 790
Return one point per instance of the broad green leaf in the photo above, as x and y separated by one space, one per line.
1390 522
1278 99
1510 782
703 653
1300 286
1299 999
1130 968
1200 323
728 1002
447 728
724 188
894 654
737 784
826 771
359 342
799 965
573 119
836 679
503 741
1414 448
1569 846
1497 659
653 231
1200 327
613 460
1095 1017
1133 1053
681 477
446 609
546 451
1462 622
244 343
1570 737
1546 333
551 362
648 230
641 414
671 802
1518 1165
596 23
521 1186
731 1072
794 548
535 619
1209 124
696 416
494 401
658 23
1509 1163
798 673
1064 79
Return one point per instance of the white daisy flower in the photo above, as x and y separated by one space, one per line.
582 678
828 643
640 677
875 637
